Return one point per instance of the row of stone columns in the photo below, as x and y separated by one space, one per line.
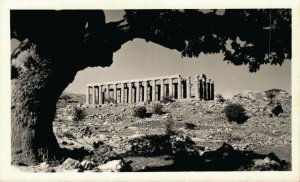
206 88
133 91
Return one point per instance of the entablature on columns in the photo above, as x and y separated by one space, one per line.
141 90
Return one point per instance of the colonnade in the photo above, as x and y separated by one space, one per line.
150 89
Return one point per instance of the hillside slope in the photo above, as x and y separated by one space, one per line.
204 122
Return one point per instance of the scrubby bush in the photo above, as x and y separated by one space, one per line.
157 109
150 145
277 109
167 99
219 98
78 113
235 112
271 93
189 126
140 112
65 97
110 100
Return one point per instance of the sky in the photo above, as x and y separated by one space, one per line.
141 59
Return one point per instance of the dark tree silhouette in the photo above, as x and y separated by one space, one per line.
57 44
252 37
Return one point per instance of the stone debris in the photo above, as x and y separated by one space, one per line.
267 164
112 166
87 165
70 164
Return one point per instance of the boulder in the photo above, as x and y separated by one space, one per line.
87 165
44 165
112 166
267 160
275 164
70 164
259 162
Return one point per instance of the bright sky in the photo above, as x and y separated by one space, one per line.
140 59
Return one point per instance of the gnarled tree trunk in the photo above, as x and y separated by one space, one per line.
35 91
42 67
38 81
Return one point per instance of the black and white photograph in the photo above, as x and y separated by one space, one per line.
120 91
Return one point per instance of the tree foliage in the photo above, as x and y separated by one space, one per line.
246 37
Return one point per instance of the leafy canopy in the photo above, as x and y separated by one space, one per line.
245 36
250 36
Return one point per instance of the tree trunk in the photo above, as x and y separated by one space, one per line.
38 82
58 45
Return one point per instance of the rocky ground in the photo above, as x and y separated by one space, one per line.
188 135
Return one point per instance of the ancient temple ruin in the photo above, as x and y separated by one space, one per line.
150 89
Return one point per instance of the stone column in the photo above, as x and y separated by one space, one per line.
133 93
161 89
171 87
201 89
212 90
107 91
122 93
179 89
129 92
196 87
96 95
137 92
145 91
188 88
208 90
115 92
100 95
153 90
87 95
204 86
93 95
